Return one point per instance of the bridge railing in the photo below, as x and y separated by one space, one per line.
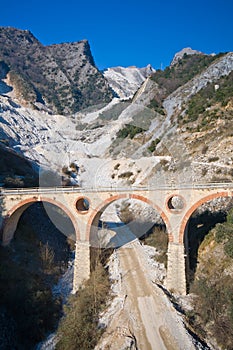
173 186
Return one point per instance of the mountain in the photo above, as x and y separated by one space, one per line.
59 78
176 128
126 81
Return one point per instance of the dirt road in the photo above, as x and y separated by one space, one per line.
145 319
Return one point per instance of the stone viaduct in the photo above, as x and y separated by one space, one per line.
85 206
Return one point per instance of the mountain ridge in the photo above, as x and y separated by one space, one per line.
40 74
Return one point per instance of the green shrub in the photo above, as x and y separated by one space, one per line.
79 328
129 130
213 306
223 231
204 171
228 247
125 175
116 167
230 217
213 159
156 106
153 145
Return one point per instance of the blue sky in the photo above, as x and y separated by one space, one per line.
127 32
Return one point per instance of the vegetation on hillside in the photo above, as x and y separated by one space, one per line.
153 144
156 105
157 237
141 122
172 77
177 75
79 328
209 105
224 234
213 285
23 87
198 227
129 130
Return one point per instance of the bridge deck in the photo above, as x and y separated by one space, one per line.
61 189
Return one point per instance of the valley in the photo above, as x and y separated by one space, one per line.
65 124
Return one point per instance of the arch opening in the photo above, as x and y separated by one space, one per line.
124 220
12 218
203 217
211 280
36 257
50 226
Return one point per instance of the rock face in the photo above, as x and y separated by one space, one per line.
169 145
61 78
186 51
126 81
155 138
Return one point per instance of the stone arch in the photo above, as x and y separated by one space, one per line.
13 215
95 216
191 210
159 210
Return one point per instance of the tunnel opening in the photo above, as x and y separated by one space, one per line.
31 266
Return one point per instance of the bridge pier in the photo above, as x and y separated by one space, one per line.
176 277
81 264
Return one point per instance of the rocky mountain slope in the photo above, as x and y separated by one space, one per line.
184 52
59 78
171 131
126 81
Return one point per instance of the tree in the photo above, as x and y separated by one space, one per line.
1 210
79 329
